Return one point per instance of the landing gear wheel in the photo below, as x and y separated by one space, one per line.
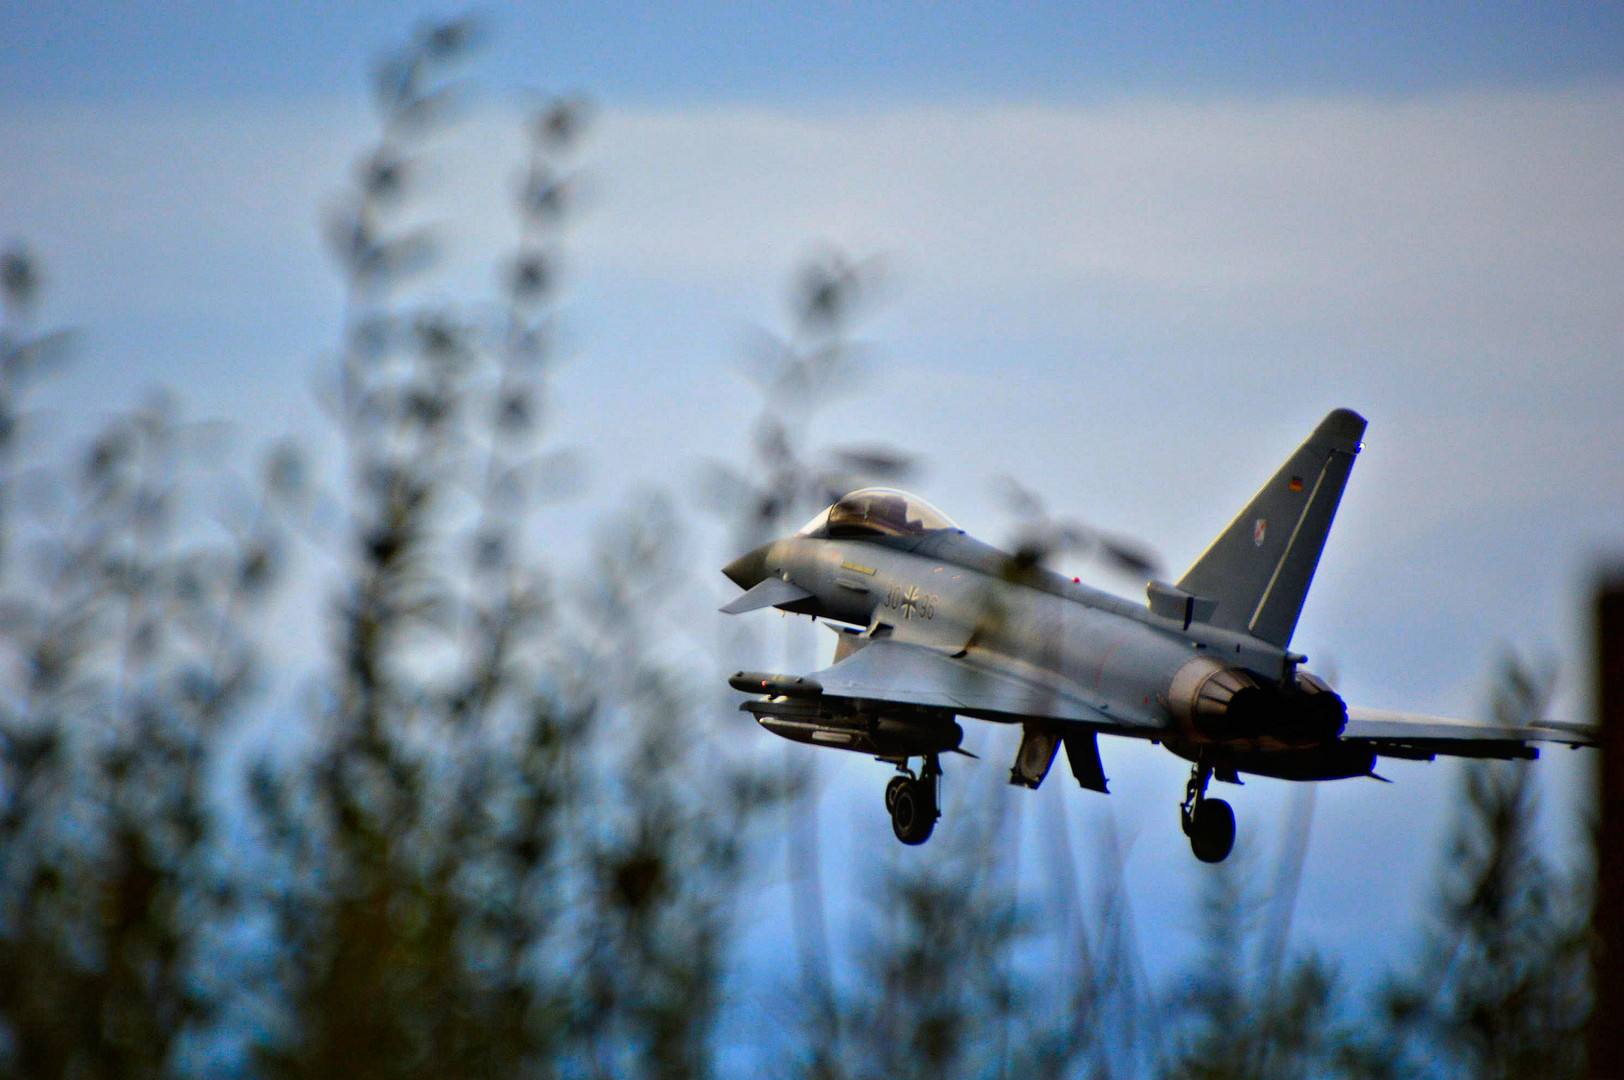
891 790
1212 830
913 811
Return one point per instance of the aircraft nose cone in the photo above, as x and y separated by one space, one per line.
749 569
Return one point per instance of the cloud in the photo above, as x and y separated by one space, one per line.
1408 221
1134 304
1227 195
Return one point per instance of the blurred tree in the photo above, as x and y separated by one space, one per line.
515 852
1500 989
414 904
1233 1019
672 824
128 653
26 355
951 981
936 996
799 373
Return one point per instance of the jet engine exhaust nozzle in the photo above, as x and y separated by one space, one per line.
1219 703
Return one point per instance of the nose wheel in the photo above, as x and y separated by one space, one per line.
911 802
1209 823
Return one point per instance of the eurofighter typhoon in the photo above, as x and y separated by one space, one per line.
935 626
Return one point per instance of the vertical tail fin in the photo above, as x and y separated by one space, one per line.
1259 570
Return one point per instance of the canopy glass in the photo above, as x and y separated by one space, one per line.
878 511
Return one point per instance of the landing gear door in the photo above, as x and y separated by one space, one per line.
1083 752
1033 759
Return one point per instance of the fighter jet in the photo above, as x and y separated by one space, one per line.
934 626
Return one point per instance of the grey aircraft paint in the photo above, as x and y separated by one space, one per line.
936 625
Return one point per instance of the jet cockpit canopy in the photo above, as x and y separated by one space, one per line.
878 511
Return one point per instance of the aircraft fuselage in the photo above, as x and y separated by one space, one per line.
942 626
1063 640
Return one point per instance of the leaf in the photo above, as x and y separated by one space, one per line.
880 462
19 277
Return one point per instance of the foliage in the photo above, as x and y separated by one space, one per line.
427 807
501 864
666 836
798 373
1233 1019
952 982
128 634
1500 989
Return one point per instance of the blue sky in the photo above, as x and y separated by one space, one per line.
1132 257
807 53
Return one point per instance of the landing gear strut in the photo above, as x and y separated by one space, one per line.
1209 823
912 802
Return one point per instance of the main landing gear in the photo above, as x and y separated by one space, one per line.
912 801
1209 823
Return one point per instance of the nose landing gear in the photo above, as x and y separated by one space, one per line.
1209 823
912 802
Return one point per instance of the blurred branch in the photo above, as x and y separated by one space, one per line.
515 853
799 373
425 849
1040 538
129 652
26 356
1501 986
